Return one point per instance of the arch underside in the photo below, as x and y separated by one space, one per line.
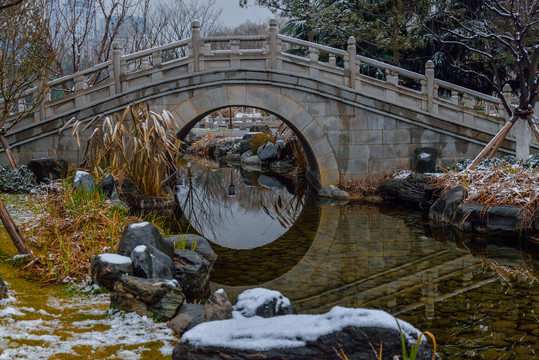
195 105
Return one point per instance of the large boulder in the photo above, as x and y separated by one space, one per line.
109 268
189 316
3 289
493 220
263 302
156 298
192 272
48 168
217 307
355 332
410 189
270 182
443 210
143 233
150 263
270 151
333 192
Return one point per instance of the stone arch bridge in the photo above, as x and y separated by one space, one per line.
351 125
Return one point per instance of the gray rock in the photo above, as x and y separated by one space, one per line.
192 272
333 192
218 307
245 146
356 342
108 187
251 160
189 316
84 180
198 243
143 233
3 288
443 210
425 160
263 302
48 168
155 298
150 263
235 159
507 221
249 135
109 268
270 182
258 128
410 190
268 151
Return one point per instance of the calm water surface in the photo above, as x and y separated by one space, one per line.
270 233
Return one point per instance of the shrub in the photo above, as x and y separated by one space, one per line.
20 180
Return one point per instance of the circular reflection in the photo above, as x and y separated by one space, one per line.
237 210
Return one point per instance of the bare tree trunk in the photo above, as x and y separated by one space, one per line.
7 149
13 231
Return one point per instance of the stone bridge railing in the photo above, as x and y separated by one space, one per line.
271 52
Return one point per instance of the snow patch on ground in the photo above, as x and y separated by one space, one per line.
287 331
22 336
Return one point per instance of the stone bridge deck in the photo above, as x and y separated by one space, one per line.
351 124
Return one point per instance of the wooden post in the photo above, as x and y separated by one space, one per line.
13 231
7 149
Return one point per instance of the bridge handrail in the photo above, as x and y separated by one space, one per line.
148 52
460 89
234 38
308 44
380 64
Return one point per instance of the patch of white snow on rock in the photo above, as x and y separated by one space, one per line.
287 331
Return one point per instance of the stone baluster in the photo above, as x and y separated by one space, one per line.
273 42
454 97
145 63
468 100
80 83
392 77
332 60
314 54
117 67
157 58
195 45
352 67
45 92
206 49
429 75
235 47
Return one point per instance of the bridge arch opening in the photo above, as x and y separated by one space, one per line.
321 162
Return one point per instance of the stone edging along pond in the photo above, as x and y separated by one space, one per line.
448 208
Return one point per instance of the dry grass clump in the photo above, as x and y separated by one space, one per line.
361 189
140 145
72 227
202 145
499 185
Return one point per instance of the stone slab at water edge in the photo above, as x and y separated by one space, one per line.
301 337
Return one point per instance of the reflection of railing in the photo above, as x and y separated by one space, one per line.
274 53
416 282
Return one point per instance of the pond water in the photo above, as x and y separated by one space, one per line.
270 233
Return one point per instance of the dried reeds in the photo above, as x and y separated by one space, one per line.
139 145
498 185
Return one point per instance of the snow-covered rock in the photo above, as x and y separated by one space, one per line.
263 302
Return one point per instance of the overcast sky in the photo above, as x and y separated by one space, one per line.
234 15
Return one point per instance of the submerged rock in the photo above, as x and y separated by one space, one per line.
3 288
355 332
109 268
155 298
263 302
218 307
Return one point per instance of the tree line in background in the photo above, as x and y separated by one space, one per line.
480 44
